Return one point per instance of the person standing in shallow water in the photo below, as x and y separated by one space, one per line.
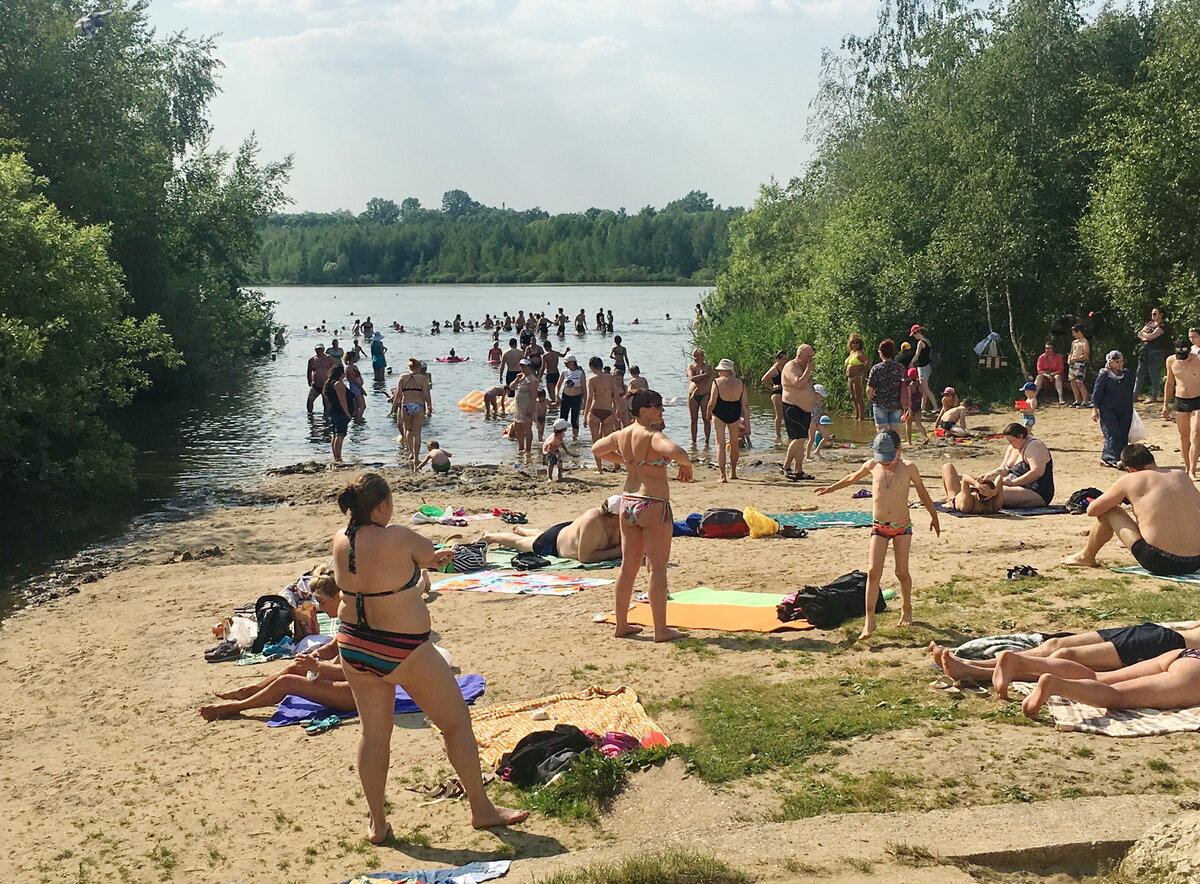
319 366
700 380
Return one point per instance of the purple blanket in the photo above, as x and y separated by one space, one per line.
295 709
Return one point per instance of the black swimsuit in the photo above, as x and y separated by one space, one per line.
727 411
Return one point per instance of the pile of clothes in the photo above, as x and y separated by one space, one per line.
543 755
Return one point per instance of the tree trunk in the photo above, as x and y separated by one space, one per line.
1012 331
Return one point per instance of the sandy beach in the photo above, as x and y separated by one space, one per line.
109 773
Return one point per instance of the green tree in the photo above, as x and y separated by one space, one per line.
381 211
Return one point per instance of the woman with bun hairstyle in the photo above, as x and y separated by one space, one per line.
384 642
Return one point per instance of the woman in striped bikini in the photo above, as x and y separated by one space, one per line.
384 642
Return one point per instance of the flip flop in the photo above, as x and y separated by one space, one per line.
861 494
976 690
321 725
1020 572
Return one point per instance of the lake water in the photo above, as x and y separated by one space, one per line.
189 454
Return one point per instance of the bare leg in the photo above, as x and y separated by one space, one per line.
735 448
431 684
633 547
658 552
877 552
1194 446
951 481
1102 531
335 694
293 668
693 416
795 455
376 702
1058 388
900 548
721 448
520 539
1175 686
777 404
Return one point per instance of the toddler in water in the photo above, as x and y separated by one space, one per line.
438 459
891 477
818 412
552 449
1029 405
493 401
822 439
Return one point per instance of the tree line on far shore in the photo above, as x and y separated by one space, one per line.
981 168
465 242
124 237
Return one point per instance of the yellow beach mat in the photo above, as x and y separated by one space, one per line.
727 618
498 729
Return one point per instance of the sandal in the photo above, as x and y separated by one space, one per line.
513 518
314 726
1020 572
861 494
792 531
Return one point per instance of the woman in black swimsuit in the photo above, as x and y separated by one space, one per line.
393 648
1027 470
730 409
773 380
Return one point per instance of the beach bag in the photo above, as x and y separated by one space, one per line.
829 606
469 557
1137 429
1078 502
274 614
520 766
529 561
721 522
760 525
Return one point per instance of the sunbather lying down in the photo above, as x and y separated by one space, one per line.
1102 651
1169 681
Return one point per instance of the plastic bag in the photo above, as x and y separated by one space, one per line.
1137 429
243 631
760 525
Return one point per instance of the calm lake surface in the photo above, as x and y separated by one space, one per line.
191 454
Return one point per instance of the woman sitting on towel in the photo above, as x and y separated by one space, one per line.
1026 472
646 525
329 688
384 642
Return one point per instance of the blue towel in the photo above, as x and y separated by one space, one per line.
812 521
295 709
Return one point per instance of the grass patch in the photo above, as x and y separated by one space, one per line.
675 867
873 793
748 725
912 855
590 787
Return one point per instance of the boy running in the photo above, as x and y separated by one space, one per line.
891 476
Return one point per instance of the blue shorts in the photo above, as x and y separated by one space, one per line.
924 372
886 417
341 424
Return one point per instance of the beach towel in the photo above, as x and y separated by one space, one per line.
1142 572
725 618
294 710
989 647
325 624
1072 716
1027 511
812 521
519 583
703 595
472 873
498 729
500 559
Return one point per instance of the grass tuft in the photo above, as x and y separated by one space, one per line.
591 785
674 867
875 792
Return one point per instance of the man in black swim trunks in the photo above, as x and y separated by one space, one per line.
319 367
1165 538
799 399
593 537
1183 384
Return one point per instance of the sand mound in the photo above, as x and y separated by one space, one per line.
1169 853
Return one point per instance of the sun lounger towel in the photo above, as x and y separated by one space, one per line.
519 582
500 559
725 618
1142 572
326 624
472 873
989 647
498 729
1026 511
1072 716
703 595
811 521
295 709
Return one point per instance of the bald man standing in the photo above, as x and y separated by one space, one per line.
799 398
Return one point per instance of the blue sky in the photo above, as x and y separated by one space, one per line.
563 104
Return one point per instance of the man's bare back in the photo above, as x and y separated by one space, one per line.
1167 507
593 537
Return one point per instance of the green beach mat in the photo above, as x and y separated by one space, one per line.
500 559
1193 578
703 595
847 519
326 624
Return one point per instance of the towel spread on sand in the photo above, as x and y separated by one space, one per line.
518 582
294 710
725 618
703 595
1142 572
1072 716
812 521
1027 511
472 873
500 559
498 729
325 624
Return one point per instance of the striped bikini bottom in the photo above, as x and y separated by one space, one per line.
375 650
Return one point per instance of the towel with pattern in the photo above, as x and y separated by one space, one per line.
812 521
1072 716
500 559
498 729
519 583
326 624
1142 572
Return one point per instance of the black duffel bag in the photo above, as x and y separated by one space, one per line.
829 606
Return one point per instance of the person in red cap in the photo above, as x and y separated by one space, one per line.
922 353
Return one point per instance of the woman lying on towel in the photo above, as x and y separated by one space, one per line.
1168 681
329 688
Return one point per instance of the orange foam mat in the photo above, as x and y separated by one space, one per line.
727 618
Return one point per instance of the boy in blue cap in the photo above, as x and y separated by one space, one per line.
891 475
1029 406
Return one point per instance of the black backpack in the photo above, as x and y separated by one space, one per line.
1078 502
274 614
828 606
534 749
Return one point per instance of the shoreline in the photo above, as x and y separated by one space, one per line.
111 772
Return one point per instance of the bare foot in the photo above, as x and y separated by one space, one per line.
905 617
669 635
723 479
239 694
499 816
733 475
956 668
1079 560
375 838
214 712
626 630
1002 675
1032 705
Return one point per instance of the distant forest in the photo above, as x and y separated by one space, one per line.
464 241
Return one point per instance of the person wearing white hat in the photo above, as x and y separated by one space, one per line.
729 407
552 449
571 394
595 536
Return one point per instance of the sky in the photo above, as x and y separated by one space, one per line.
560 104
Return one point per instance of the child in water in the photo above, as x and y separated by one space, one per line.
552 449
540 405
438 459
494 402
823 438
891 477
